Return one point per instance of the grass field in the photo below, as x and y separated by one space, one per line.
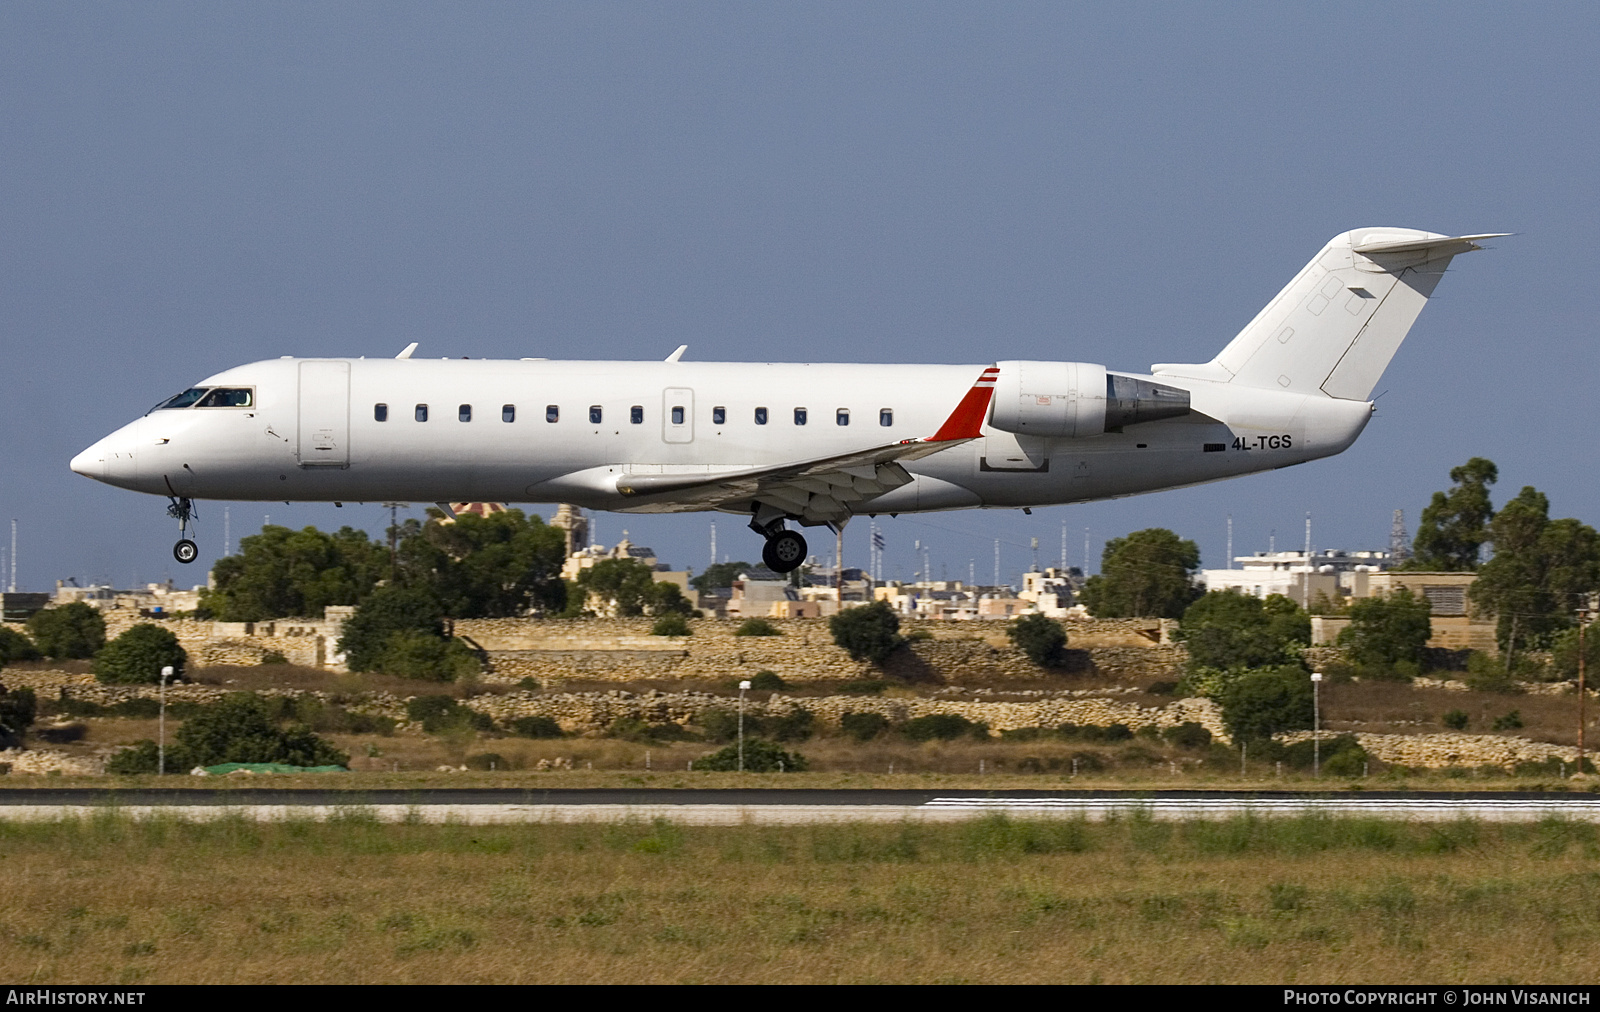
996 900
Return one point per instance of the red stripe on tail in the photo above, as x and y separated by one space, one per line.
966 421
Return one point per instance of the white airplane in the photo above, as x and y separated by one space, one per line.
812 444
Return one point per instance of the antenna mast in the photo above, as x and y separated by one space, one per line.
1399 541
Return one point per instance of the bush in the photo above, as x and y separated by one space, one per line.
720 725
942 727
1455 720
438 714
1041 638
239 730
1228 629
767 681
414 653
792 726
16 647
1261 703
760 756
1388 630
869 633
863 687
1509 722
1188 735
274 657
143 757
1118 732
636 730
18 708
1162 688
73 631
671 624
863 726
536 727
757 627
138 655
392 609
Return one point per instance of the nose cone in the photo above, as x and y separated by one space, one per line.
91 463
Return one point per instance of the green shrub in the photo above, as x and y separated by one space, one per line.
1349 762
767 681
760 756
1118 732
757 627
862 687
1041 638
139 708
942 727
1025 734
1161 688
73 631
531 684
1188 735
1388 630
863 726
138 655
368 635
1261 703
792 726
671 624
18 708
1226 629
16 647
274 657
239 729
868 633
415 653
636 730
1455 720
1509 722
1488 674
439 714
719 725
140 758
1301 754
536 727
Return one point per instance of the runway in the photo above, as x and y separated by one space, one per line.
775 807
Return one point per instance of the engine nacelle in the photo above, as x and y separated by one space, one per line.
1074 400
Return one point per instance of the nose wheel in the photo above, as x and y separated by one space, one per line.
181 509
784 552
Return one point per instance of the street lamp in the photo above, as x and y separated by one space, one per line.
1316 724
161 724
743 687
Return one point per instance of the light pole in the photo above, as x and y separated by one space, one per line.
743 687
161 724
1316 724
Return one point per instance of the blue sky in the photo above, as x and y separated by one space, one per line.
193 186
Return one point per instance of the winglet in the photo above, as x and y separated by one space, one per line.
966 421
409 349
675 356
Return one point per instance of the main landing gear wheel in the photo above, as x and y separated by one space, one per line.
784 552
186 551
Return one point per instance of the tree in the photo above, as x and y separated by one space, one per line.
1149 573
869 633
1261 703
1227 630
400 631
1388 630
1539 569
73 631
1041 638
280 573
1564 654
628 588
760 756
502 565
721 574
1455 524
15 647
138 655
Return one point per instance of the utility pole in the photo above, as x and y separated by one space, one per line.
1583 622
1230 540
1063 546
227 531
11 585
997 563
713 542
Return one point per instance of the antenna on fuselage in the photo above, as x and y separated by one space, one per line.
408 350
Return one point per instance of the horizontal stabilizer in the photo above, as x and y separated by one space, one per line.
1376 243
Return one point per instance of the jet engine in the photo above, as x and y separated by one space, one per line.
1074 400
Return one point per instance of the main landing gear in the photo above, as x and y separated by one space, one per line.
181 509
784 550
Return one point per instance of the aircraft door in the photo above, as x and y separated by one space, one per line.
324 414
677 415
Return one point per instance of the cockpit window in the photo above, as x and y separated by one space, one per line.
183 400
228 397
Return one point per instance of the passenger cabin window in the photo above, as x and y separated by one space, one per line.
799 416
508 412
422 412
636 414
719 415
228 397
761 416
677 414
183 400
380 412
886 417
841 417
464 412
595 414
552 413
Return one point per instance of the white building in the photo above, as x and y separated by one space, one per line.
1297 577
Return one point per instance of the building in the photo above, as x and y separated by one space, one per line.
1302 579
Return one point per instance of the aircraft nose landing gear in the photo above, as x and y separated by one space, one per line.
784 550
181 509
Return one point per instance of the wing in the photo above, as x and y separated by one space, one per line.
823 490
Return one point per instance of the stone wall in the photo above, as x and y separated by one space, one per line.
1434 751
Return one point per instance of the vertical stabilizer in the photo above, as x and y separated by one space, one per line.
1336 326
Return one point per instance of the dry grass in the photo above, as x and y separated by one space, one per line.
1277 901
1398 708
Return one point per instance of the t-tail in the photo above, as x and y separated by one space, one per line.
1335 327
